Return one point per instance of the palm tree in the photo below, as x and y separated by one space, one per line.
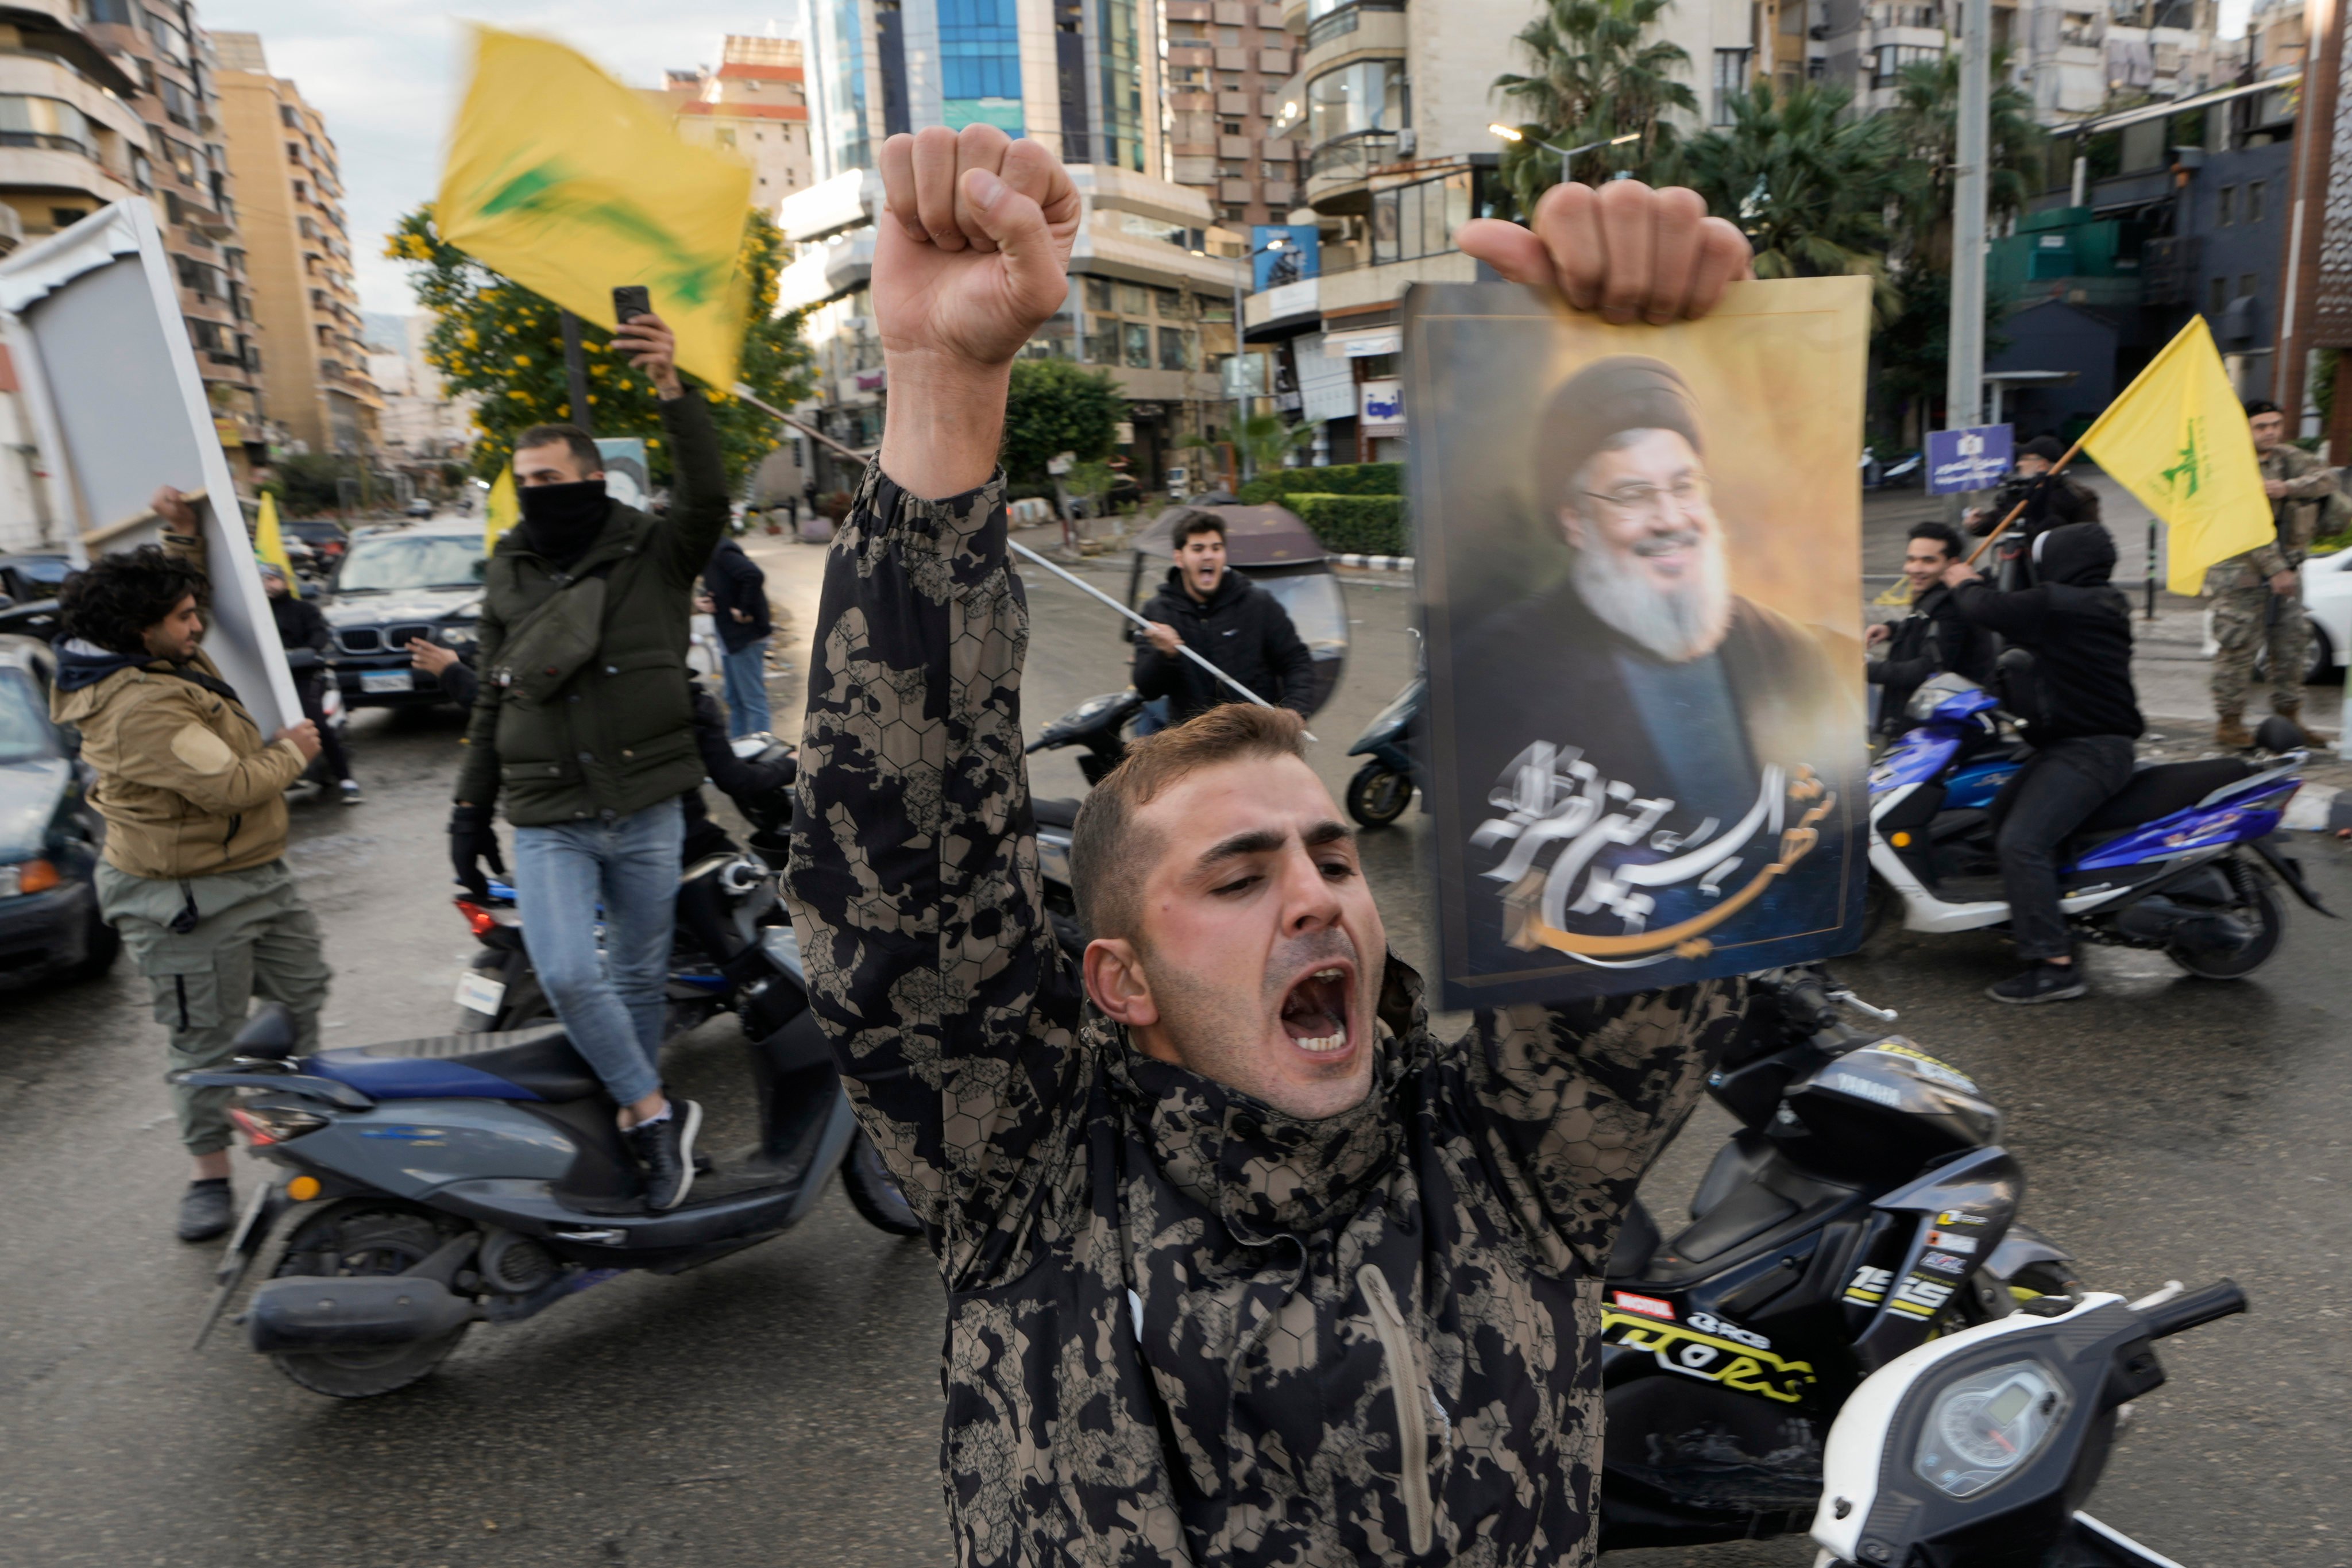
1597 74
1926 116
1809 186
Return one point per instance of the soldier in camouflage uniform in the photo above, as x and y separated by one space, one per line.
1241 1264
2259 602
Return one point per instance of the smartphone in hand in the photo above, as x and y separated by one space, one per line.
631 301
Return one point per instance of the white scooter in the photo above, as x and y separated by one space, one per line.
1978 1448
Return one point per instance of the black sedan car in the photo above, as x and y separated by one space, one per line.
50 833
28 594
396 583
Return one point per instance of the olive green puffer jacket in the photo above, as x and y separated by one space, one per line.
617 735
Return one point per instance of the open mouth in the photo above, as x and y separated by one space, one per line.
1314 1013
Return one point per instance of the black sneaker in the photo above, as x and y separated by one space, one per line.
666 1149
205 1211
2042 982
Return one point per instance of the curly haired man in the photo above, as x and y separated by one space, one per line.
194 875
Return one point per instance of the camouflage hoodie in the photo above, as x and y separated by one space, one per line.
1183 1327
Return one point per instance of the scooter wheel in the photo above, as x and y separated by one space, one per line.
874 1191
2263 911
350 1243
1378 796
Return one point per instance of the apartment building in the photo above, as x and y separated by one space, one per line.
109 100
1153 283
754 104
1227 63
299 252
422 423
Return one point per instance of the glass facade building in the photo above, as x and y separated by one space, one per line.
979 63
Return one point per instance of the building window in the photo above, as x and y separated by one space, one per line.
1236 212
2225 206
170 42
179 108
46 123
2253 201
1364 97
65 217
1214 307
1888 60
1137 339
2245 285
1419 219
1134 300
1097 293
285 116
1730 81
118 12
1231 127
2217 296
1175 349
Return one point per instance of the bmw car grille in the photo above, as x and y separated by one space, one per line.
361 639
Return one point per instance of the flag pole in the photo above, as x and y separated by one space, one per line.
747 395
1181 646
2056 468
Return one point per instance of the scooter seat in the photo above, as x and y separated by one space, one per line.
516 1063
2164 789
1055 812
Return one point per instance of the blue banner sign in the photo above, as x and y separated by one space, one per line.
1976 458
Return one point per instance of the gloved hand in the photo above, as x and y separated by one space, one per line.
472 840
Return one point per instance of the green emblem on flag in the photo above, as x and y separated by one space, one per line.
2182 476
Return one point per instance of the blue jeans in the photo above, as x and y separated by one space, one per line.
613 1009
747 688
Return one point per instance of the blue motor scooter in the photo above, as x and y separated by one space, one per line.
2183 859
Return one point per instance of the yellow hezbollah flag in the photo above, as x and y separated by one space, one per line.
269 545
501 510
2177 438
567 182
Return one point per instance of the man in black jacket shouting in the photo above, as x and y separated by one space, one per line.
1243 1266
2078 629
1226 619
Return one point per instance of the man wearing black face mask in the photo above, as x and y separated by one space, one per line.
584 718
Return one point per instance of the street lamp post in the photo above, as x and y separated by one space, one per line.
1566 154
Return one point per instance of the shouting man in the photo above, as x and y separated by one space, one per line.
1243 1266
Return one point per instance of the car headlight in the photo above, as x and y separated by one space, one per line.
27 876
457 636
1984 1428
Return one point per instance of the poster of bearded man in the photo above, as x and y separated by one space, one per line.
1640 581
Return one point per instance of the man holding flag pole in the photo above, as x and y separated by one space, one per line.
2176 440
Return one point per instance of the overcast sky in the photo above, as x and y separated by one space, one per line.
387 75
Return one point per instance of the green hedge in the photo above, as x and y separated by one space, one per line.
1355 525
1340 479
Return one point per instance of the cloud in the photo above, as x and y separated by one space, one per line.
387 75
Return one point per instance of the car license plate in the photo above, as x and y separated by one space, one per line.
478 990
375 681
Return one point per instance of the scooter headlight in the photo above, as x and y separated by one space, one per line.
1985 1428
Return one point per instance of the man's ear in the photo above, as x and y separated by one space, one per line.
1571 527
1115 979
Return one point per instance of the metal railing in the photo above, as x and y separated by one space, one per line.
1352 157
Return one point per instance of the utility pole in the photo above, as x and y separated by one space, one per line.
1964 369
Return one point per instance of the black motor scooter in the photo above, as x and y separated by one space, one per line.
1863 1207
427 1186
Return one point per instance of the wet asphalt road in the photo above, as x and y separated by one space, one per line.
781 1407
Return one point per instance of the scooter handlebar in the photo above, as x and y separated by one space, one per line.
2220 1299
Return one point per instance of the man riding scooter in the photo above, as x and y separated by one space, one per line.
1933 638
2081 715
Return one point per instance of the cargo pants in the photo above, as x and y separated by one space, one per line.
2243 624
249 935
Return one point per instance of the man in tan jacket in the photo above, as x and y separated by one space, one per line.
194 875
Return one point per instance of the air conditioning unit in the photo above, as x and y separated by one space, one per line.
1408 140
